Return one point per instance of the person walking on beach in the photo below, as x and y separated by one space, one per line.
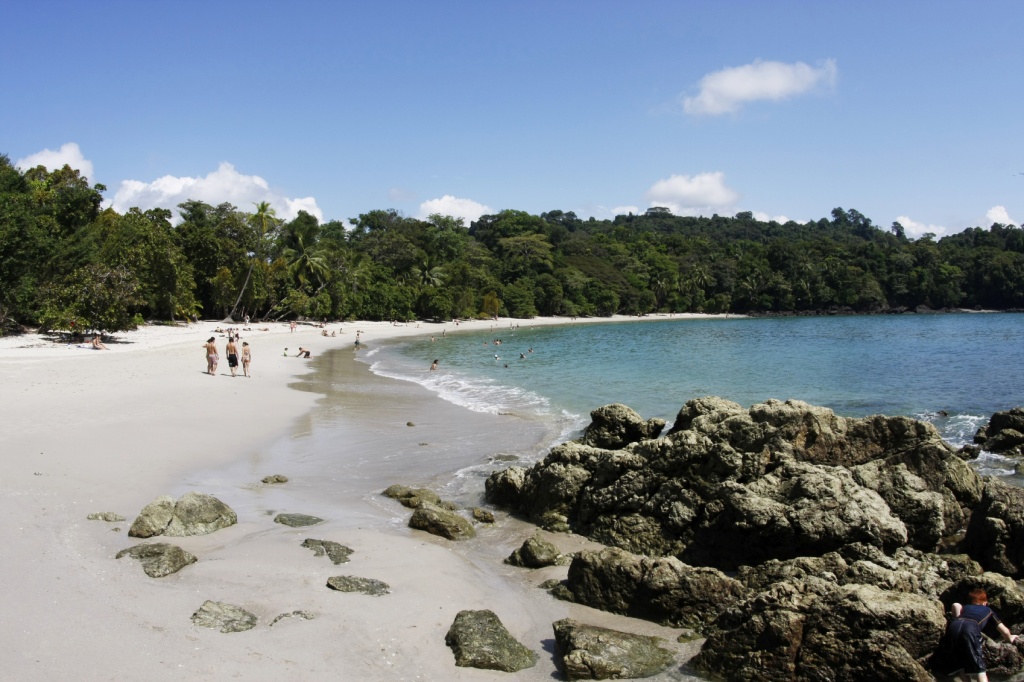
211 356
964 636
246 358
232 351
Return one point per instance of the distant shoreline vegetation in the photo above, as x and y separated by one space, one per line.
68 265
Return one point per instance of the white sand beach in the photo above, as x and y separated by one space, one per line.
91 431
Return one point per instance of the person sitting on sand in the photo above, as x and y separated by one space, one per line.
97 344
303 353
211 356
323 332
964 636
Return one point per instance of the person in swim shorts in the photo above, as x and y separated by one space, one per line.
211 356
232 350
964 636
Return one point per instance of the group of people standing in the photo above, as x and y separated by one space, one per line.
233 352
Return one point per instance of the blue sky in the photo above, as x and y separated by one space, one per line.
905 111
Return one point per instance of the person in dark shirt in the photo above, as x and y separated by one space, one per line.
964 636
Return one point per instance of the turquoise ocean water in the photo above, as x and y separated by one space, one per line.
952 370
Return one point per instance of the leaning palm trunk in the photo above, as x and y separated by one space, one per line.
234 309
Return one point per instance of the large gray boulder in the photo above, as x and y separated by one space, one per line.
595 653
616 426
1005 596
479 640
194 514
199 514
812 629
442 522
159 559
1004 432
153 518
995 534
663 589
503 488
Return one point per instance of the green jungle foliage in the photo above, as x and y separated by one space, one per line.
67 264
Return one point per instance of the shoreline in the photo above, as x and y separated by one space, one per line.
115 429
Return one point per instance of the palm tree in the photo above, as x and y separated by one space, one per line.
427 275
264 214
305 261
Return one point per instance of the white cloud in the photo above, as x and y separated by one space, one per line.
68 154
765 218
686 195
727 90
916 230
223 185
625 210
998 214
467 209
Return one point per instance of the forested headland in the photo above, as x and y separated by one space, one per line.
68 264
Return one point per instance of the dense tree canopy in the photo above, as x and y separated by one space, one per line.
68 264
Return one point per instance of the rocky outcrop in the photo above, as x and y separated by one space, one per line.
595 653
1004 432
223 617
193 514
504 487
275 478
479 640
442 522
159 559
848 537
811 628
351 583
616 426
995 534
728 487
297 520
535 552
663 589
336 552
